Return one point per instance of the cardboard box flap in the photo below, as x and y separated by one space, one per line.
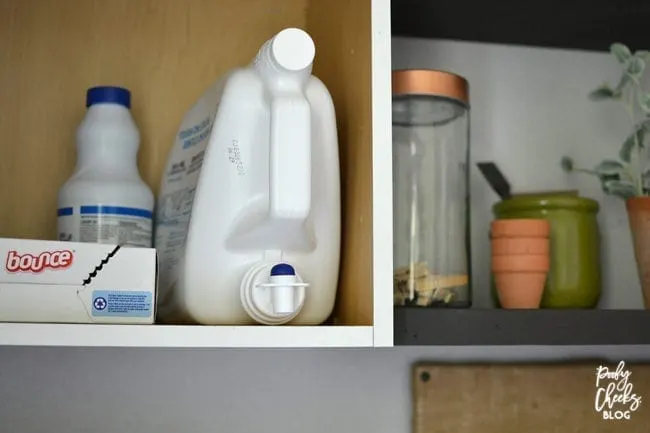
110 271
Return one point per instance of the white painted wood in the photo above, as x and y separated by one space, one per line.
35 334
382 174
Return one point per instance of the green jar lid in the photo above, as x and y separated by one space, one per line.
560 200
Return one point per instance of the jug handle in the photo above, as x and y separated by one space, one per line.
290 157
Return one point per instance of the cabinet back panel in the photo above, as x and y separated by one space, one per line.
165 51
342 32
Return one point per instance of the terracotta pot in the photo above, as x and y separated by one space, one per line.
520 290
519 246
520 228
638 211
520 261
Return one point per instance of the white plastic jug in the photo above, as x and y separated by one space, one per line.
248 226
105 200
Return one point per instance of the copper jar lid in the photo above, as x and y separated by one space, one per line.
430 82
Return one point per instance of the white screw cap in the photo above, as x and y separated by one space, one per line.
272 294
293 49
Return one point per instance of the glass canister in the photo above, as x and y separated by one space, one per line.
574 280
430 189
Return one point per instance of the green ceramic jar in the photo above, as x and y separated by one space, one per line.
574 280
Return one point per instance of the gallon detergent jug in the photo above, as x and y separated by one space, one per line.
248 228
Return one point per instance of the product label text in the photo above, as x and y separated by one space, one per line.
38 263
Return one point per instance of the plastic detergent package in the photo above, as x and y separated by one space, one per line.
248 219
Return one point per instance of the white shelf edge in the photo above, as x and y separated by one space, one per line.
382 183
93 335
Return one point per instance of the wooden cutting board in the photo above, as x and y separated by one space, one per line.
527 398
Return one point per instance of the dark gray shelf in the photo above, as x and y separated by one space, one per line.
474 327
577 24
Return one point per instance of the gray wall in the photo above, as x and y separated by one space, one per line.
529 108
57 390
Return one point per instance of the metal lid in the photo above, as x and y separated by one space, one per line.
430 82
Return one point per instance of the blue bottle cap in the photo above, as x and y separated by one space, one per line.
108 95
282 269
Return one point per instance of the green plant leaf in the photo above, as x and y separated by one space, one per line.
566 163
626 149
644 101
630 143
610 167
635 67
621 52
602 92
622 189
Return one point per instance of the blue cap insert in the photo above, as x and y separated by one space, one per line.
108 95
282 269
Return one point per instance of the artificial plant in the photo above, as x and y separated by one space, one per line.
629 176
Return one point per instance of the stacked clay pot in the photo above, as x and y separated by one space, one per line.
638 211
520 261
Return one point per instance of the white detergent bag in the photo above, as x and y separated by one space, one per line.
248 228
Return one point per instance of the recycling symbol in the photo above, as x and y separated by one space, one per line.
100 303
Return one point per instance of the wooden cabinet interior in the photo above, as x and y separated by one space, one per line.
167 52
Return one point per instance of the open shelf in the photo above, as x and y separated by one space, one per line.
495 327
35 334
579 24
167 52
